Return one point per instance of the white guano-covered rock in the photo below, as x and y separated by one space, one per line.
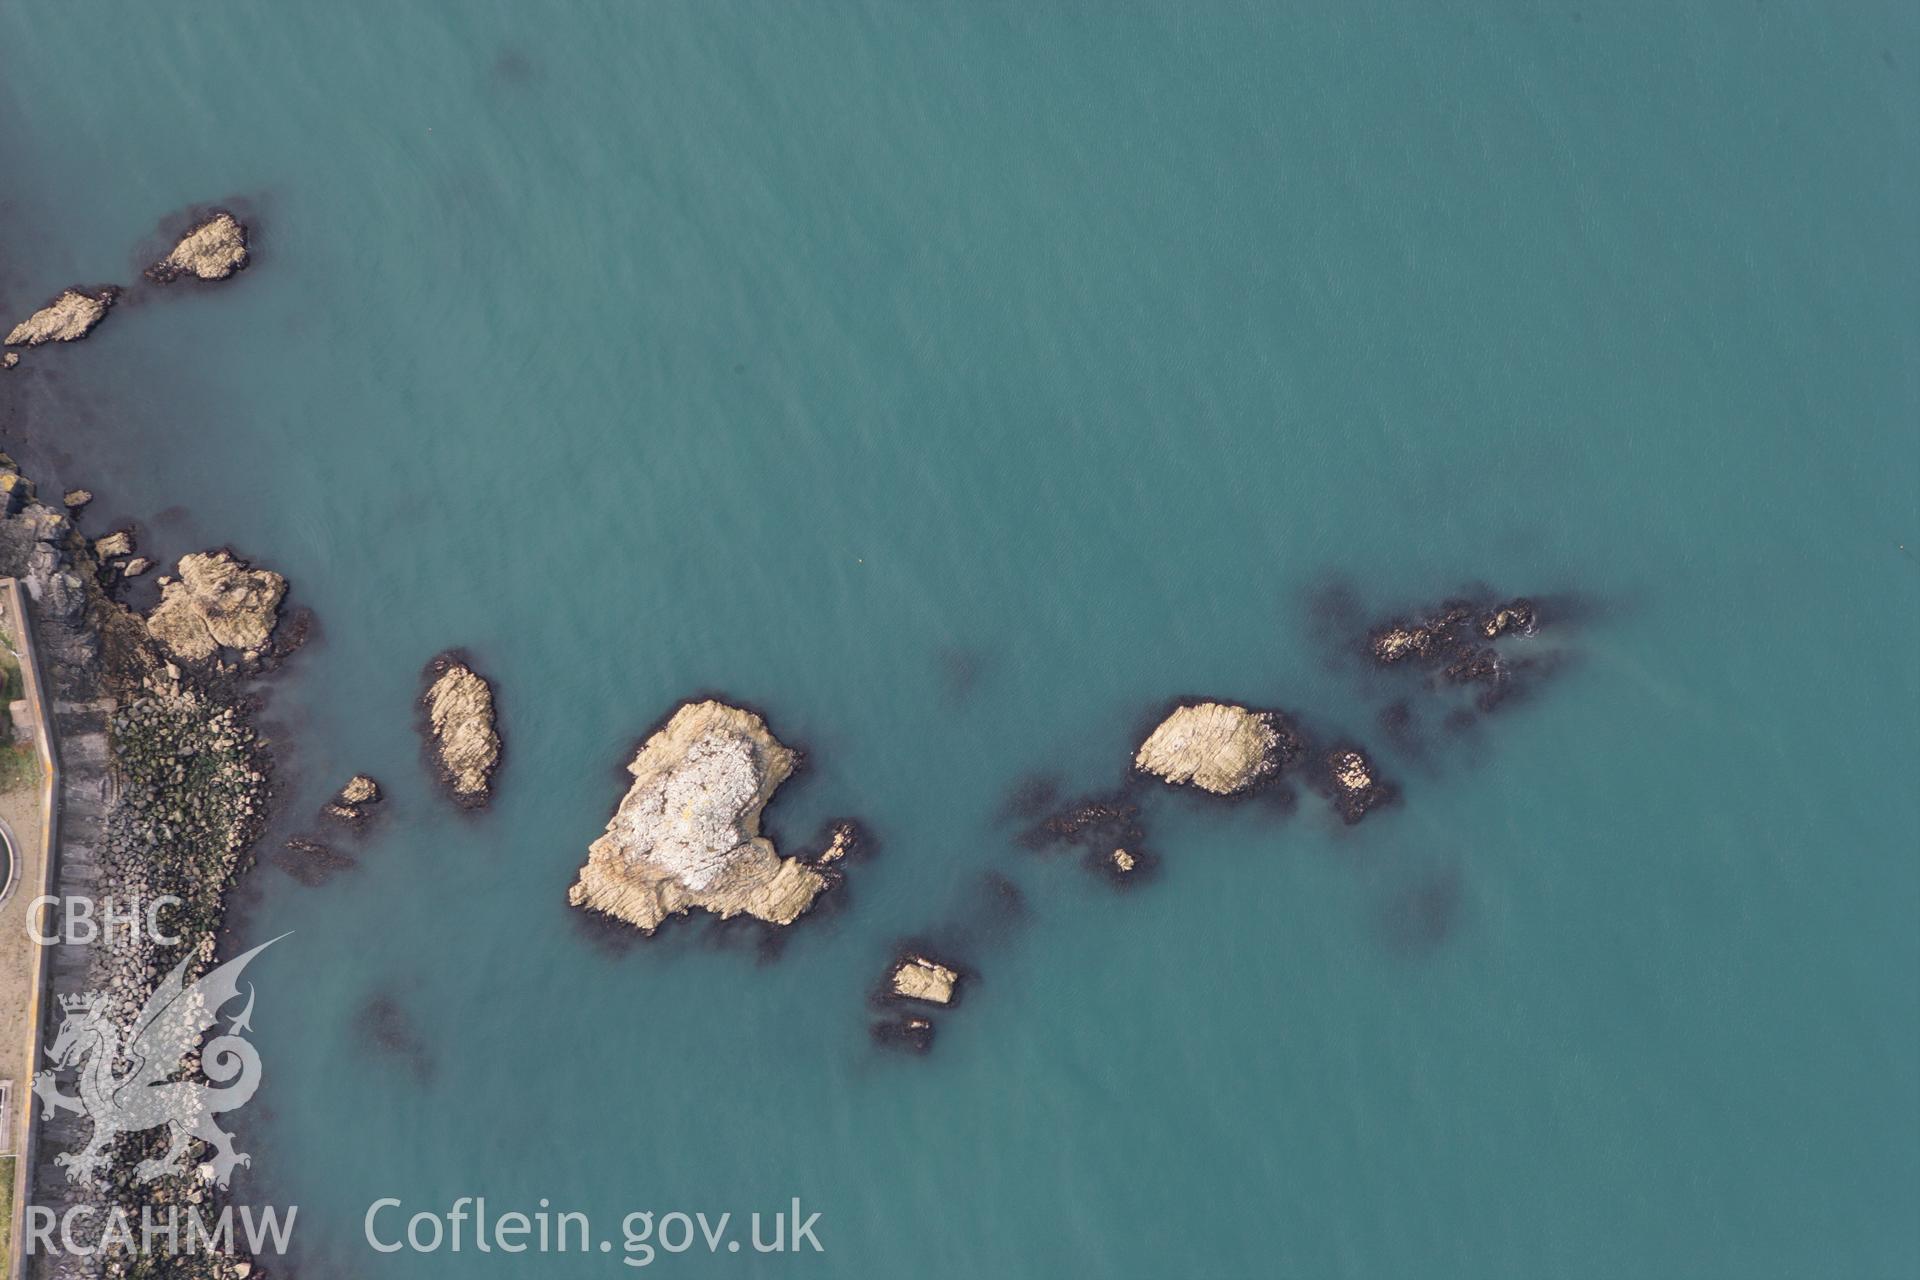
687 832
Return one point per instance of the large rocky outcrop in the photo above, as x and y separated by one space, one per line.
68 318
212 250
1218 747
217 602
461 729
687 833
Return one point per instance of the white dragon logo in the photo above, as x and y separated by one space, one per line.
139 1085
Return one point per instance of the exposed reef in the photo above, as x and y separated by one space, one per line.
687 833
68 318
461 729
1351 782
916 977
212 250
217 602
1456 640
1218 747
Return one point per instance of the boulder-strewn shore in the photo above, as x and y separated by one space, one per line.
461 728
192 797
687 833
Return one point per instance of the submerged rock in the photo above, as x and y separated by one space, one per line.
212 250
918 977
311 862
68 318
461 729
687 833
217 601
908 1031
1218 747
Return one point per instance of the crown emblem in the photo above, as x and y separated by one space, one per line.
84 1003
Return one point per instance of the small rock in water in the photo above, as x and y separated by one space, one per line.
360 789
918 977
68 318
1353 783
213 250
76 498
117 543
1218 747
354 801
461 729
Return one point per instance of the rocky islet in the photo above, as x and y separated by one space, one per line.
686 835
212 249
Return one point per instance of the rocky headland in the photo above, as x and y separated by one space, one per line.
687 836
211 250
461 729
68 318
1218 747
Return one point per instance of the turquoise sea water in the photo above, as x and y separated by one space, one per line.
957 383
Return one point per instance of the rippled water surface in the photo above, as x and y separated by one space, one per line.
958 384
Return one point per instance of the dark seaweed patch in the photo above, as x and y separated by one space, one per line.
311 862
1420 917
384 1024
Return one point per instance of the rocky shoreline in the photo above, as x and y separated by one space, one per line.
188 787
193 795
